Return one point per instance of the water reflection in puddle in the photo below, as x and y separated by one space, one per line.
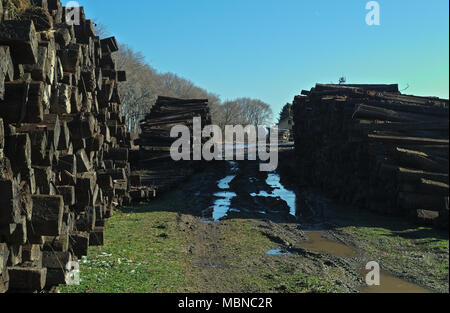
279 191
225 183
222 205
278 251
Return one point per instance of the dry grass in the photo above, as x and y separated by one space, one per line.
41 17
15 7
21 4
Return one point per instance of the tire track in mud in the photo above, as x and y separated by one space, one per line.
323 254
214 269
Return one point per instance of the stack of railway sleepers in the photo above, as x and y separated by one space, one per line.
374 147
155 141
63 142
155 165
284 135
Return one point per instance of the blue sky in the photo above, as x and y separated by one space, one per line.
271 50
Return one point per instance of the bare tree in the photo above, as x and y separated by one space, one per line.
144 84
100 29
254 112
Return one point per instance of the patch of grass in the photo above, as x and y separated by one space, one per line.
434 243
137 257
421 252
259 272
295 281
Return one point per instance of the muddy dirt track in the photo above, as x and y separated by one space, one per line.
230 206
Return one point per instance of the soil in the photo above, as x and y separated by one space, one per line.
329 242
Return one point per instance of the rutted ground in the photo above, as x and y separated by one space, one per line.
172 245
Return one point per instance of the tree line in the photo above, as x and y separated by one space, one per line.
144 84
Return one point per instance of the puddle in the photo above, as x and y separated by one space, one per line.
234 166
225 183
274 181
318 243
278 251
391 284
221 206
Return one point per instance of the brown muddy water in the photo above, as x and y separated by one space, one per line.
392 284
319 243
272 187
388 282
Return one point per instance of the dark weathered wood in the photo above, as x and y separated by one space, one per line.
79 243
420 160
70 58
96 237
83 163
61 99
371 146
68 193
6 63
56 259
109 45
62 36
21 37
15 255
27 279
18 150
121 76
414 201
31 253
19 236
415 176
4 256
118 154
41 70
67 163
47 215
84 31
9 202
55 277
83 126
39 141
53 124
60 122
58 243
23 102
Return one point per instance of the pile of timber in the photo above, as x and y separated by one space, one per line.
63 142
374 147
284 135
155 166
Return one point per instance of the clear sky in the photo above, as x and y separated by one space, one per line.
271 50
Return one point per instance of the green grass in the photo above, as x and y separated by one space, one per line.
145 253
421 252
142 254
266 273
